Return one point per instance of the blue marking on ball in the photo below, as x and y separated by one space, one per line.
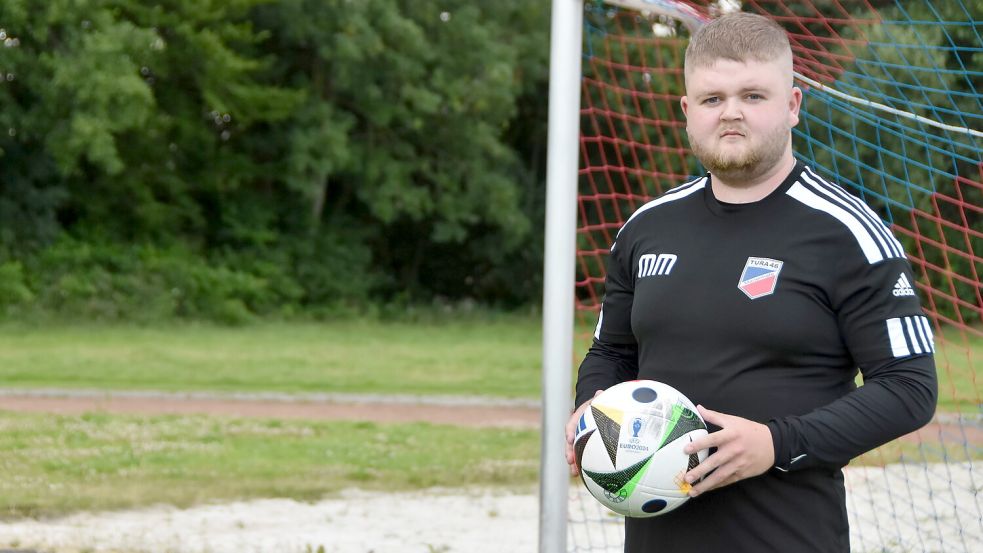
654 506
644 395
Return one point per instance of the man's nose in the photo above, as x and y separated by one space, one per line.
731 111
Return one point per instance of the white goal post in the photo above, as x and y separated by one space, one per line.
566 29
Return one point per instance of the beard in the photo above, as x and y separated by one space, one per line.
742 167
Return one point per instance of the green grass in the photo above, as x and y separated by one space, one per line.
907 451
56 464
491 356
499 357
959 357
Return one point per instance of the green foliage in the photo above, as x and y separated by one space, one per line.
13 287
404 125
333 269
232 159
143 282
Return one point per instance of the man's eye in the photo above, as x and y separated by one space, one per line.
755 97
711 100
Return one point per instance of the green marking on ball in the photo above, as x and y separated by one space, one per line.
681 421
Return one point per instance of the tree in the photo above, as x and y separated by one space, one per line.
405 127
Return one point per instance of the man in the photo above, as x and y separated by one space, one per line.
758 291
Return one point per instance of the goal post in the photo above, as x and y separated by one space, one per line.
558 269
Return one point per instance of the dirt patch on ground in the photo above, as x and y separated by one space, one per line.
947 428
355 408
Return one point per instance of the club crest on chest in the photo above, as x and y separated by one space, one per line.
759 277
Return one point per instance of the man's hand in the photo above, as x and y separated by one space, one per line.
572 431
744 449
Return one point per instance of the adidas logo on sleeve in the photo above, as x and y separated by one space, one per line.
903 287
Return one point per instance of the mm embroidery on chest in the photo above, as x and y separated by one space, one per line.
656 264
760 276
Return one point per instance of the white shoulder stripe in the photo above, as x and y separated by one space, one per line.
677 193
899 346
863 236
872 226
873 221
926 330
910 335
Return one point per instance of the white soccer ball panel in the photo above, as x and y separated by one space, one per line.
596 456
671 463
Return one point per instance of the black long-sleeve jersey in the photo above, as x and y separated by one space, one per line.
766 311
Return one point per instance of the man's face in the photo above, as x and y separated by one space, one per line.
739 116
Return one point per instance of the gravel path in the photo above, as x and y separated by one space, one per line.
481 521
895 509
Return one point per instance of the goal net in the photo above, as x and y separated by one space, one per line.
892 112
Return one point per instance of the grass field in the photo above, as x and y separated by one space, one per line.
55 464
497 356
490 356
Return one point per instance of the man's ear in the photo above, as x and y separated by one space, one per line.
794 104
684 103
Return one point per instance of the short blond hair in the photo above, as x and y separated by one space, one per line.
737 36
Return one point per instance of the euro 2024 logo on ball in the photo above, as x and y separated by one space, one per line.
634 442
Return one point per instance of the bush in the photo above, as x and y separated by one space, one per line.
111 282
75 279
334 270
14 292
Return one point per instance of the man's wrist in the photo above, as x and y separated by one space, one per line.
780 460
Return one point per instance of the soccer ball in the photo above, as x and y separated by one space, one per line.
629 447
